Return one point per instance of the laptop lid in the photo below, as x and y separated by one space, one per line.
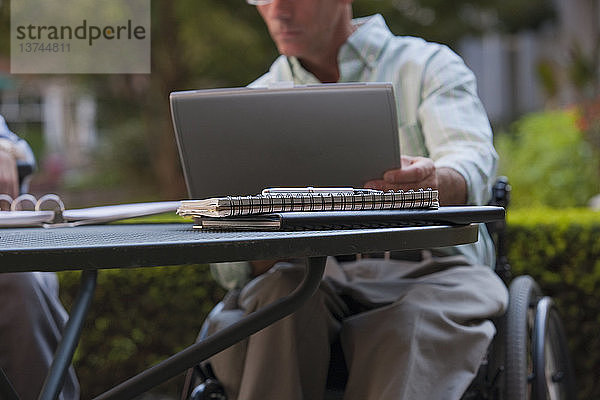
239 141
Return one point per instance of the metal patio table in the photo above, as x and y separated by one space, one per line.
90 248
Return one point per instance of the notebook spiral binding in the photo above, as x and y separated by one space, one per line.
231 206
37 204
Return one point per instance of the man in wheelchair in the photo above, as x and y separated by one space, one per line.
411 325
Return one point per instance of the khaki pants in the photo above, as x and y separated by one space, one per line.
31 322
409 330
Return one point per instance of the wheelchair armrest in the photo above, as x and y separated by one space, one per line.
501 192
500 198
497 229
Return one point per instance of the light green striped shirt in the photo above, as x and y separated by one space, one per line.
439 113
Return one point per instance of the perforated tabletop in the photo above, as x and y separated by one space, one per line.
129 245
134 245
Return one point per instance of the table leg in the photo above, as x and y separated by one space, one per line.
64 354
219 341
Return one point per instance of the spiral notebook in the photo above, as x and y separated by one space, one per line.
49 212
353 200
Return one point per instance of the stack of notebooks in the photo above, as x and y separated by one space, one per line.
309 208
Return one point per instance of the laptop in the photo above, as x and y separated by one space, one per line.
238 141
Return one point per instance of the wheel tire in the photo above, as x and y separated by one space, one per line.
554 378
524 294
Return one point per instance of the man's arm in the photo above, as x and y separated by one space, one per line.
447 133
11 149
9 179
456 130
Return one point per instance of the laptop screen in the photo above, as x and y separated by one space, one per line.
239 141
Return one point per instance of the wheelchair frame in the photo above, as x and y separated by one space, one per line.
529 357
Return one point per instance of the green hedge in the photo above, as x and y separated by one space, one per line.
138 317
141 316
560 249
546 153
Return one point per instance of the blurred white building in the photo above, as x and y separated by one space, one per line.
508 66
66 113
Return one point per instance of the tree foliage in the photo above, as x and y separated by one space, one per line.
447 21
548 162
195 44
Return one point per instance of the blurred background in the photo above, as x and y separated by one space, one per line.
104 139
111 135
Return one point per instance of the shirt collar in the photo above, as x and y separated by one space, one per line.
300 75
367 41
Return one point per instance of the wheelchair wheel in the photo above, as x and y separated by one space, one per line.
524 294
553 377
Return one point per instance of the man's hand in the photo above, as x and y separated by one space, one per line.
9 178
420 172
416 172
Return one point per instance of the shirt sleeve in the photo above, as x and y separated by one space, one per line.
22 146
454 123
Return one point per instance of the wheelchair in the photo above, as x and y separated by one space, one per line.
528 358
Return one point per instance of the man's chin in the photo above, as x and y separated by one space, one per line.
289 44
289 50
